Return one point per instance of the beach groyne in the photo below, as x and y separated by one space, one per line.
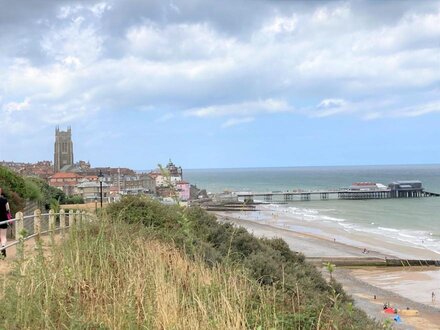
373 262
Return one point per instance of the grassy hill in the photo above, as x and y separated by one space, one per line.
146 265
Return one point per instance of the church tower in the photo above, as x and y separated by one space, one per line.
63 152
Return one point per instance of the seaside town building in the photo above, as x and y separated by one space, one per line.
65 181
63 150
42 169
138 183
171 175
81 179
183 188
90 191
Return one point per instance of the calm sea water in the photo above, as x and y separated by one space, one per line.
414 221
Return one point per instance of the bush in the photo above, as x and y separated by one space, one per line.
48 194
14 188
18 189
73 200
269 261
125 279
32 191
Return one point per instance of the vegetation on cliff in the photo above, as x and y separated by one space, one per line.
19 189
302 297
110 275
147 265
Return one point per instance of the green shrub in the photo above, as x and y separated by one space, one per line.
32 190
73 200
18 189
48 193
269 261
117 276
14 188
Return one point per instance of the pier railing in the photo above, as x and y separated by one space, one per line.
38 224
348 194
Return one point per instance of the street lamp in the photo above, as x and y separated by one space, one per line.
100 178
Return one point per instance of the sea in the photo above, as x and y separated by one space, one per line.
411 221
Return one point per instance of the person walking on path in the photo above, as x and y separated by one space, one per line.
4 211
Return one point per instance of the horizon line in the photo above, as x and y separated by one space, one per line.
298 166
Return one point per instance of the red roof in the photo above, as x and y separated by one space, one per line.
62 184
182 182
64 175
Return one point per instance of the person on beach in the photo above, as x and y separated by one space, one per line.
4 210
433 297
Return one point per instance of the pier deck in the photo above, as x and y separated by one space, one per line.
346 194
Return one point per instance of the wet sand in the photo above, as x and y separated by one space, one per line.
402 287
415 283
269 222
363 294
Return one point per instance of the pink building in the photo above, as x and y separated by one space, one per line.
183 188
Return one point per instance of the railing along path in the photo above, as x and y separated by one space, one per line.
27 227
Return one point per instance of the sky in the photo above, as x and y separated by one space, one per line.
221 84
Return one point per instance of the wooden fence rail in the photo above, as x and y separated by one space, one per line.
27 227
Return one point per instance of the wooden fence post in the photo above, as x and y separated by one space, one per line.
18 224
71 219
62 221
52 225
37 224
77 217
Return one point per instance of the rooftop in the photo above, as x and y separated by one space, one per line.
64 175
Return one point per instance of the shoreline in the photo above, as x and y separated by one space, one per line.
307 243
269 221
362 283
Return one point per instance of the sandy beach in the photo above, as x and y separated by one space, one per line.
333 232
408 287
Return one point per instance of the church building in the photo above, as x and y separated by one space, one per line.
63 152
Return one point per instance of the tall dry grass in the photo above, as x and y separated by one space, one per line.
115 276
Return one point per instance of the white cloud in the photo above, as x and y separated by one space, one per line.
178 41
237 121
325 15
97 9
284 63
412 32
241 109
100 8
332 103
77 43
418 110
330 107
16 106
281 24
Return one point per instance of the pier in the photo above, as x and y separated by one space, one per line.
358 191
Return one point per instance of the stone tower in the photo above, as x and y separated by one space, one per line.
63 151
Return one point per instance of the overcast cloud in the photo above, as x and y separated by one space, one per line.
69 62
